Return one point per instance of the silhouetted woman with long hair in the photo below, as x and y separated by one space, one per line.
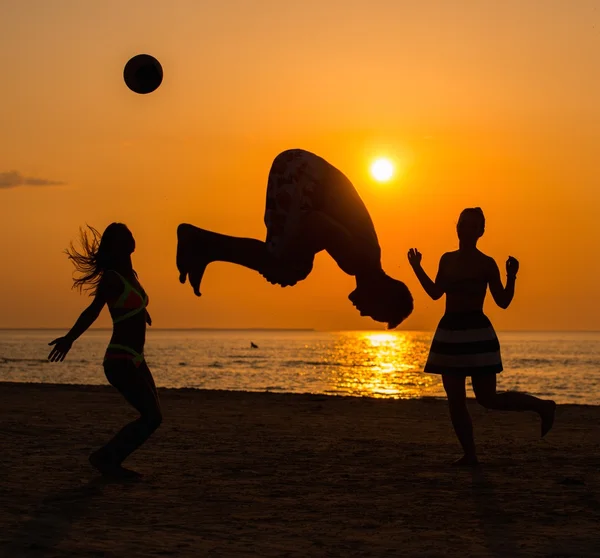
105 268
465 343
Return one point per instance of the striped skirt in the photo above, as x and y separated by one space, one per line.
464 344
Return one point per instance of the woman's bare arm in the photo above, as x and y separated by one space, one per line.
433 288
62 345
502 295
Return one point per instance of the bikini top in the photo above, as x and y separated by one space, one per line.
131 299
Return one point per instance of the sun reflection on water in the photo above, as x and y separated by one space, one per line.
377 364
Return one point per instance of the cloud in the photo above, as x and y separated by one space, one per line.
12 179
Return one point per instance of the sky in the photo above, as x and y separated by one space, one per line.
478 103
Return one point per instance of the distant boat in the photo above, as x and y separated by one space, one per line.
253 346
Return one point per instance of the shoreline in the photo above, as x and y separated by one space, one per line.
102 387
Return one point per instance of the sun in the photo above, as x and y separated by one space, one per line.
382 169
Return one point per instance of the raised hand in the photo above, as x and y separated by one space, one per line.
62 347
414 257
512 266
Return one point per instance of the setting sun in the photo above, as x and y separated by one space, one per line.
382 170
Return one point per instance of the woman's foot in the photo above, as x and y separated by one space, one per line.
125 473
547 416
466 461
103 465
111 470
192 254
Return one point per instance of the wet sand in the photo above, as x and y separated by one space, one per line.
262 474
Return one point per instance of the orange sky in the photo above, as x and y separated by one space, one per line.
481 103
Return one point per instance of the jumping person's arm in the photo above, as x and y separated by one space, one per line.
62 345
503 295
433 288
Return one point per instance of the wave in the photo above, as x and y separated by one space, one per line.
215 364
6 360
553 362
44 361
296 363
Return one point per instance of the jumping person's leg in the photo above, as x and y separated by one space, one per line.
196 248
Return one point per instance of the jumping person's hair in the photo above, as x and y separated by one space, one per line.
401 302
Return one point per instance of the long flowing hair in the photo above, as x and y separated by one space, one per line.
98 253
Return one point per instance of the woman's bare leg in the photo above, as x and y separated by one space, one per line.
485 392
461 419
137 386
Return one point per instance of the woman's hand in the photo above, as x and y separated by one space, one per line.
512 266
62 347
148 318
414 257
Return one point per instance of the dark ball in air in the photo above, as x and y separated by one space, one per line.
143 74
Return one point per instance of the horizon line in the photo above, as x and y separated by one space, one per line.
294 329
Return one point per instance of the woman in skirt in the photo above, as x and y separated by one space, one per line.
465 343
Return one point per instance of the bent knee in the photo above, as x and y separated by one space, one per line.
153 420
486 400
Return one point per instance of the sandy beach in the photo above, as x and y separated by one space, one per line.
263 474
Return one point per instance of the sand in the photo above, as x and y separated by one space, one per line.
262 474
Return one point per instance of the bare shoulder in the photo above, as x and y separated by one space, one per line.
110 284
448 257
488 263
446 264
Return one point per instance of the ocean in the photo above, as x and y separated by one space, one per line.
562 365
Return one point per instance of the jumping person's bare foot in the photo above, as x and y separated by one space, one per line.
547 416
192 255
466 461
